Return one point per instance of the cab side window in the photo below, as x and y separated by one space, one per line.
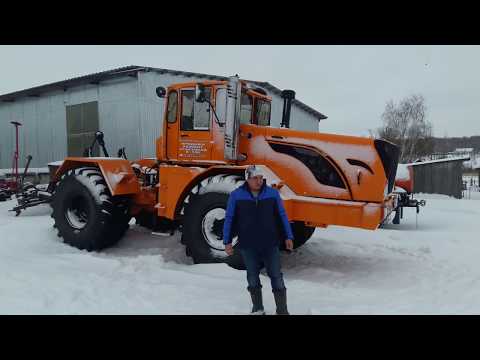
186 122
246 109
172 107
262 112
201 116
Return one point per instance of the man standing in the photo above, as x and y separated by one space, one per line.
256 213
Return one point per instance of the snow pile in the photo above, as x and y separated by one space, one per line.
42 170
433 196
115 178
56 163
396 270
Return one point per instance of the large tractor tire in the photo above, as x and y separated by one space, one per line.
203 218
86 215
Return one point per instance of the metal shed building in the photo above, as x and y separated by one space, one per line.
62 116
439 176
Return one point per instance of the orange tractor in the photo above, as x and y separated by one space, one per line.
211 131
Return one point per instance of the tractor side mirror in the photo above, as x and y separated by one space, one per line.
160 91
200 93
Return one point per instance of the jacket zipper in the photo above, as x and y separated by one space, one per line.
256 198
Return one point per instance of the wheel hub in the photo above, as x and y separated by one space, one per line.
77 213
212 228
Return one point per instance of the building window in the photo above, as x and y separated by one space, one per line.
172 107
195 115
82 124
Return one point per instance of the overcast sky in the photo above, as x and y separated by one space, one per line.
349 84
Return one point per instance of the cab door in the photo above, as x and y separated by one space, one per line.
195 140
172 127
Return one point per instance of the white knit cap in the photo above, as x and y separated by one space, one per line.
252 171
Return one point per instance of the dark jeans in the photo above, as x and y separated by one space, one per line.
270 257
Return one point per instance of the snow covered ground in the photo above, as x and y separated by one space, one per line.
432 269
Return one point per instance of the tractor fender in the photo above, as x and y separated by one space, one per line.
176 182
192 176
117 172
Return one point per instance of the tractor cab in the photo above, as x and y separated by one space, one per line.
202 119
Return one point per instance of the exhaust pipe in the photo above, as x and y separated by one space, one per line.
288 96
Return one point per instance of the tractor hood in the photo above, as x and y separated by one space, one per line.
325 165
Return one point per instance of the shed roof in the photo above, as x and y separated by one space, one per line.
461 158
132 71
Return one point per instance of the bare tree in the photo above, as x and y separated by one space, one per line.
405 124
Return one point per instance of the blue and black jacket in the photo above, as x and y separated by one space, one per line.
259 222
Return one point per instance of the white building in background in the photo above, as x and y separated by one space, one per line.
474 158
463 152
60 118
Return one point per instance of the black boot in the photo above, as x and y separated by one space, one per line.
281 301
256 294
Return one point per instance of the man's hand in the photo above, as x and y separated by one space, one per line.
289 244
229 249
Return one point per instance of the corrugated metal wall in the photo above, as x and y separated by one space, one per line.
438 178
119 115
44 134
130 115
